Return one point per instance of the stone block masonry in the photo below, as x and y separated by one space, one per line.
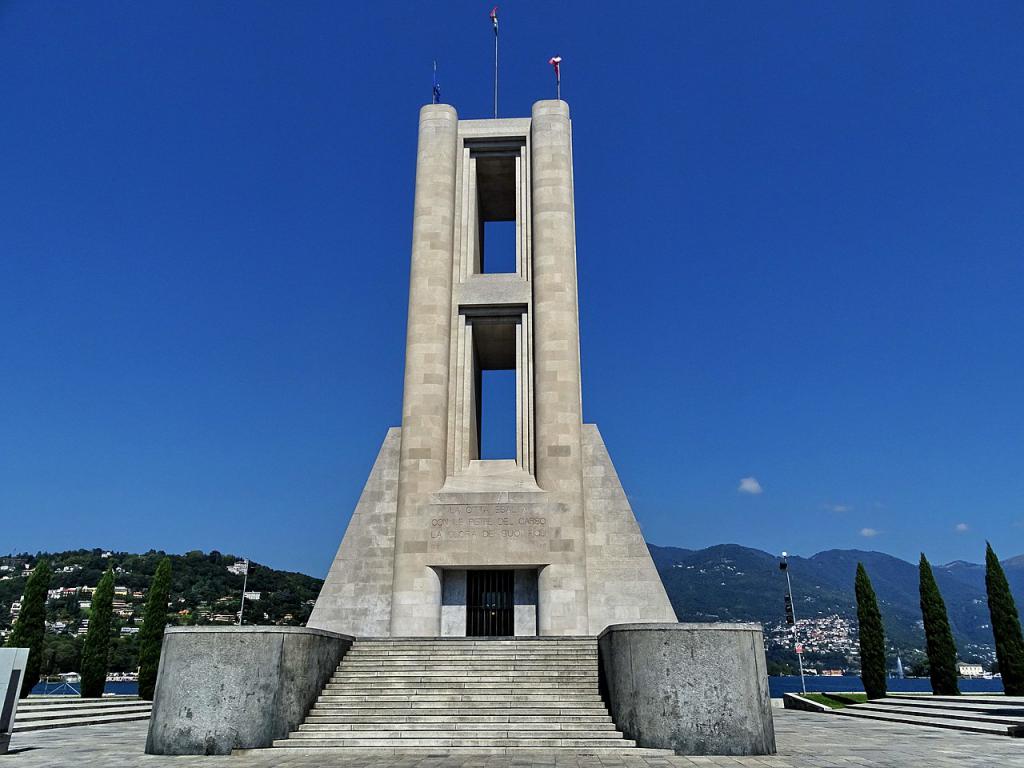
697 689
225 688
433 509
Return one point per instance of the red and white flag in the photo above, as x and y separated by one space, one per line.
554 61
494 19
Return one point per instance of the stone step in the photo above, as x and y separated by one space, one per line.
454 724
464 696
483 676
493 642
369 740
422 710
491 689
956 724
463 681
469 663
469 650
464 709
471 654
1002 704
346 753
964 698
433 696
958 714
61 713
33 724
76 701
84 705
470 686
470 667
455 671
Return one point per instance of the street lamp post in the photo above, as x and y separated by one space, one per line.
245 585
791 618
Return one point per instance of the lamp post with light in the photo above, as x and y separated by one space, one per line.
791 619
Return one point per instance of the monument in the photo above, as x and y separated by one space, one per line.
495 605
442 542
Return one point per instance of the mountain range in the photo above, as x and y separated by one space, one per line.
728 582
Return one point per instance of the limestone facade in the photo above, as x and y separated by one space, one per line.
433 515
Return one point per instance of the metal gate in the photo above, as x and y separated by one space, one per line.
489 606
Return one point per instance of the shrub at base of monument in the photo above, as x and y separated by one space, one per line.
225 688
697 689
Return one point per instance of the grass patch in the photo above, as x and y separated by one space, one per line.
836 700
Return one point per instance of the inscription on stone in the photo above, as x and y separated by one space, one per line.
495 522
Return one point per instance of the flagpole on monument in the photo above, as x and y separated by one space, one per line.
555 61
494 21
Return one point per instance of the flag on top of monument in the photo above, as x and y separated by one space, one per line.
437 87
554 61
494 19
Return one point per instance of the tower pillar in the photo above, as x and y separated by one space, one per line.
416 592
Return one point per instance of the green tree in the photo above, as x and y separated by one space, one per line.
151 635
1005 625
30 628
97 639
938 636
872 636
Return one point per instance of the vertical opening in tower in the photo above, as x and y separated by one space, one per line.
497 171
498 414
498 247
495 388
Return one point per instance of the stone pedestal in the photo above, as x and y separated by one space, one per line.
12 671
224 688
697 689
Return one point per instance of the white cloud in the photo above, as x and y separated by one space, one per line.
962 528
868 532
750 485
839 508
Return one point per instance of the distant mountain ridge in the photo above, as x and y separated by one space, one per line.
729 582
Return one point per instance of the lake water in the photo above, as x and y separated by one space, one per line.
113 689
791 684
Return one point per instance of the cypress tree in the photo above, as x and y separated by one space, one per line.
1005 625
872 636
152 633
95 654
30 628
938 635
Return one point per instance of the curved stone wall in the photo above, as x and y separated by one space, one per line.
224 688
697 689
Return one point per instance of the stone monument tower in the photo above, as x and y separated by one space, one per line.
441 542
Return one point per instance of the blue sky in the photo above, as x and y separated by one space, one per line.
800 244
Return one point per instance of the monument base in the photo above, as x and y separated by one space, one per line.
224 688
697 689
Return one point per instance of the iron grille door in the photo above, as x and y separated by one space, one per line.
489 606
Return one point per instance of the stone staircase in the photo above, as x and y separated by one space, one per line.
996 715
38 713
455 695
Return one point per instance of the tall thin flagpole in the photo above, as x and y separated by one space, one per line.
494 20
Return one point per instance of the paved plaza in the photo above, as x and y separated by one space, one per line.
804 740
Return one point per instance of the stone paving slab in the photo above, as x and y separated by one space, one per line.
805 740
